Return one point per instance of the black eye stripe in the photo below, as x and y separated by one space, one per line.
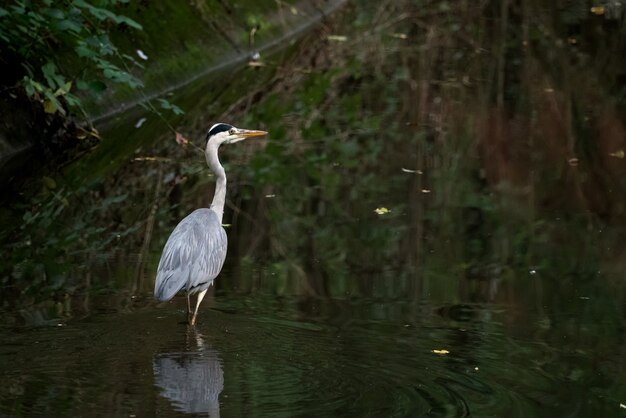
217 128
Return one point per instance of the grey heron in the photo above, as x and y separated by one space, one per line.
194 253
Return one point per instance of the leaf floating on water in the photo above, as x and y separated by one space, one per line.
617 154
180 139
406 170
441 352
573 162
337 38
142 55
399 35
425 190
598 10
382 210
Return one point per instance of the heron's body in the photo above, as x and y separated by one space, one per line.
194 253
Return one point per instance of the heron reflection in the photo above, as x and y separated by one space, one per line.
191 380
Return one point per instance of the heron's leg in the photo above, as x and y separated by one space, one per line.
195 313
188 308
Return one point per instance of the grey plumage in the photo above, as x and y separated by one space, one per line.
195 251
193 255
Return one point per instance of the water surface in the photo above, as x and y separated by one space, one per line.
434 227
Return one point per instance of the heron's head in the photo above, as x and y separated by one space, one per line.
223 133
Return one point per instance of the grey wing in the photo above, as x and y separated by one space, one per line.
193 255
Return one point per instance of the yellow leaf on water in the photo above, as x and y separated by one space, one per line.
406 170
617 154
382 210
399 35
598 10
441 352
337 38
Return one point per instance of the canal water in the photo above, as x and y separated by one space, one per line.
433 227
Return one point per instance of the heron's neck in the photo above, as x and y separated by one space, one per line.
220 187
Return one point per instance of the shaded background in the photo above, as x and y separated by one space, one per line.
434 227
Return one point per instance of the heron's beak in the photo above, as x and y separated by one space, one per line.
249 133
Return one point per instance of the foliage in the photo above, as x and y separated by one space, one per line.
37 33
54 230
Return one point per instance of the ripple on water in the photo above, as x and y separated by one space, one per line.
267 364
294 366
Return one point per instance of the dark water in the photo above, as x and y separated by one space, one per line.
262 355
435 227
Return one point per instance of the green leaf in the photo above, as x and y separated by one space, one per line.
97 86
82 85
130 22
82 50
50 106
68 25
54 80
177 110
19 9
55 13
165 104
3 12
30 90
63 90
32 86
72 100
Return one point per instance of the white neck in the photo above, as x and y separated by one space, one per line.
219 198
